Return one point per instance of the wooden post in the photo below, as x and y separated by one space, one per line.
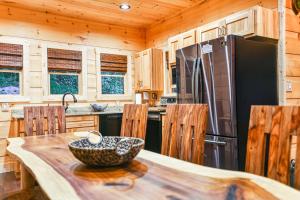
27 181
281 53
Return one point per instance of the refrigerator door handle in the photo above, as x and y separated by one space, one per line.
197 81
215 142
193 81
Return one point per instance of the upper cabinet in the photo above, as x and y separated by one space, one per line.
255 21
174 44
180 41
188 38
148 66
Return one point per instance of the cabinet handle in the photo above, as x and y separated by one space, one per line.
222 31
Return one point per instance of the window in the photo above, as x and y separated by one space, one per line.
113 73
11 64
62 82
112 82
64 67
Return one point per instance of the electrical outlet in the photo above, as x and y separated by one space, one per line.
289 86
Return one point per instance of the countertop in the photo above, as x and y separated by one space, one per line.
87 110
75 111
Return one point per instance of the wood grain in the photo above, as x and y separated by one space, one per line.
134 121
39 114
149 176
184 132
276 124
142 13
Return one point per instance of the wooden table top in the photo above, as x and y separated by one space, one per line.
149 176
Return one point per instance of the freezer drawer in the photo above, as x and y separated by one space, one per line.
221 152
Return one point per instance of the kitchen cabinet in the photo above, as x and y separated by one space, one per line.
73 124
148 66
174 44
188 38
255 21
180 41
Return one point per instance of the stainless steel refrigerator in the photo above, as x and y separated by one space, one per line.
229 74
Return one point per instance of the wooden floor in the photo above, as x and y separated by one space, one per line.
10 189
8 184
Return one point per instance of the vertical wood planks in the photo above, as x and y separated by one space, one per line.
37 116
279 123
184 132
134 121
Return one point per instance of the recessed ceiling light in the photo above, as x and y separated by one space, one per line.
124 6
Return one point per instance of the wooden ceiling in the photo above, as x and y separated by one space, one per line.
142 14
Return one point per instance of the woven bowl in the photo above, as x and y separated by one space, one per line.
111 151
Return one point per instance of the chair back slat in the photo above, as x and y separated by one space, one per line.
134 121
297 170
40 118
184 132
270 139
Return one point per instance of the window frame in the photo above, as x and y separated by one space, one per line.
24 73
82 83
128 91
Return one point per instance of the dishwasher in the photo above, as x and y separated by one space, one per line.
154 132
110 125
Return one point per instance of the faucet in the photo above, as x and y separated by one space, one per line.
63 100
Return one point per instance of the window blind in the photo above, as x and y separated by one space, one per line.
11 56
60 59
113 62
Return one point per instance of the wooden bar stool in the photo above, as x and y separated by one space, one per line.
184 132
134 121
271 129
39 119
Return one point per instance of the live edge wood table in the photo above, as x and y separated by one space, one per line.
60 175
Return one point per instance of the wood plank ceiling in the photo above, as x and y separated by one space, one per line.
142 14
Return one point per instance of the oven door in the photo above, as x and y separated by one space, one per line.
221 152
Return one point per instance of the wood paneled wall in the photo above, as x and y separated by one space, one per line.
292 54
40 29
210 10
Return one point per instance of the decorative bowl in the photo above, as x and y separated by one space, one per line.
98 107
111 151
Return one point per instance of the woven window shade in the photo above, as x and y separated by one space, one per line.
11 56
59 59
113 63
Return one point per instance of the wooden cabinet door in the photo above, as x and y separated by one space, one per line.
137 71
188 38
146 69
174 44
242 23
208 32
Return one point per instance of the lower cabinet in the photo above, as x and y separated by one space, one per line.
73 124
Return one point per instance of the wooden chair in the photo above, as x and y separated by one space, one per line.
37 119
134 121
184 132
269 142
